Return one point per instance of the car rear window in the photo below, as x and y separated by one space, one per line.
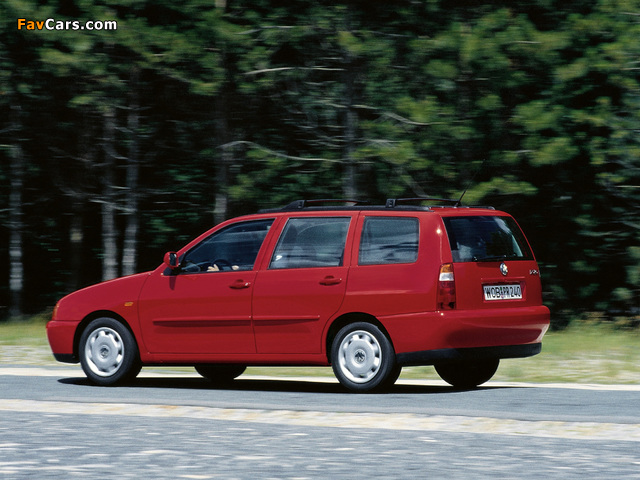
388 240
486 239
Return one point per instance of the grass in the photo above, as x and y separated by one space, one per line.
583 353
27 332
595 353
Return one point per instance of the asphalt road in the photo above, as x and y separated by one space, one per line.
53 424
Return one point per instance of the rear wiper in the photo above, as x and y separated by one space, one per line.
493 258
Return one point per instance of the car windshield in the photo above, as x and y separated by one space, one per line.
486 239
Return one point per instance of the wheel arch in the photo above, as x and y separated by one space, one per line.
346 319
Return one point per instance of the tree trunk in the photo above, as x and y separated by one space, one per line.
350 125
16 223
130 244
76 241
349 177
220 211
109 233
72 181
222 138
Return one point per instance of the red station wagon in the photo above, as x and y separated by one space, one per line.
365 289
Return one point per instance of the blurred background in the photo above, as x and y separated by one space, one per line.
119 144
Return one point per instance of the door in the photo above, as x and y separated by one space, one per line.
303 285
392 274
205 307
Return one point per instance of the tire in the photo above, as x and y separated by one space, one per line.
468 373
363 359
220 373
108 352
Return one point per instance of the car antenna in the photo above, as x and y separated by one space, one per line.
459 202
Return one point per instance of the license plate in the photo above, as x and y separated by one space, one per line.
502 292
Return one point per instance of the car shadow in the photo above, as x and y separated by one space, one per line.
275 385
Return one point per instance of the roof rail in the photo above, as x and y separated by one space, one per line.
300 204
394 202
400 203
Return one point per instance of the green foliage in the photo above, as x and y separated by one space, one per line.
531 106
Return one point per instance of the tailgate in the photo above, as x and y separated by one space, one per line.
497 284
493 264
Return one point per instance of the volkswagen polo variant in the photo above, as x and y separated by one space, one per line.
365 289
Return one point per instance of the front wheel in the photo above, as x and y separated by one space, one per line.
363 359
108 352
468 373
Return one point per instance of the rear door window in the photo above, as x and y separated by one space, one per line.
311 242
486 239
387 240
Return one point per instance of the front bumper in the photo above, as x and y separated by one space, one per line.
61 339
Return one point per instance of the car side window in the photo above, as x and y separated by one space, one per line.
387 240
311 242
232 248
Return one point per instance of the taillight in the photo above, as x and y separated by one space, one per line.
446 288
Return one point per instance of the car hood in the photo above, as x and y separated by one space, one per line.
119 296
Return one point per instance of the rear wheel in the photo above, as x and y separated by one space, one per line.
108 352
220 373
363 358
467 373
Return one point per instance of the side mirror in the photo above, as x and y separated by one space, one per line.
171 260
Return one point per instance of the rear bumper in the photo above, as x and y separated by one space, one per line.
468 330
431 357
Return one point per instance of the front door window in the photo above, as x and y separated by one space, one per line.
234 248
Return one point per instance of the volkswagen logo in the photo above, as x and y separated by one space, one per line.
504 269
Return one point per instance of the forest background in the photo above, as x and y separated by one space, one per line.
118 145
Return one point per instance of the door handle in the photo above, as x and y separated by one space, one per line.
330 280
240 284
